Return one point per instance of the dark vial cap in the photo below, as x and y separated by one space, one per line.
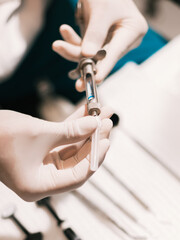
115 119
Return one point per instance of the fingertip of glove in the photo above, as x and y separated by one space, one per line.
80 85
55 45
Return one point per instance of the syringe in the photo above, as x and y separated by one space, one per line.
87 70
87 66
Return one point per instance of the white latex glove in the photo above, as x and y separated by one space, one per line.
40 158
114 25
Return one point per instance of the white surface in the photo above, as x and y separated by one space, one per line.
147 97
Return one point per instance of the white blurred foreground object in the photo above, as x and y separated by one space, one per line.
20 22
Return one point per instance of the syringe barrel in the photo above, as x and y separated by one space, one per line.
88 68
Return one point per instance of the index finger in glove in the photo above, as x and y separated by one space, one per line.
70 131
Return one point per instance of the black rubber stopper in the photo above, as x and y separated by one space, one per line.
115 119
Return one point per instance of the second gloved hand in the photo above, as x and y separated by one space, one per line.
116 26
39 158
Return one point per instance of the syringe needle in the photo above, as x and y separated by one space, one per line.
95 148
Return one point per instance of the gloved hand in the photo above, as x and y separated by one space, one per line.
116 26
39 158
